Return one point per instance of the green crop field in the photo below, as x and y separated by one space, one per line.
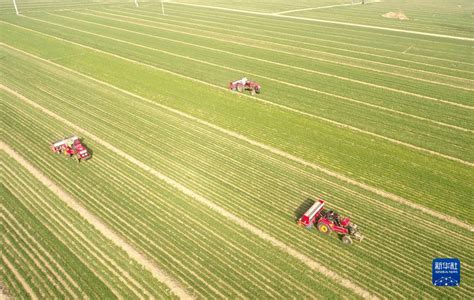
193 191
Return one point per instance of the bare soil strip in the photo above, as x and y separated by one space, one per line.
20 278
331 22
135 254
96 222
367 187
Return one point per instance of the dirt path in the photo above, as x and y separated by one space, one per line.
135 254
148 263
331 22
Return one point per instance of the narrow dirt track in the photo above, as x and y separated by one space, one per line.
132 252
148 263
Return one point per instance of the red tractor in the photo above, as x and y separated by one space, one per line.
245 85
327 221
71 147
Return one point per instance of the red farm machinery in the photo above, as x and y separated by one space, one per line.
245 85
327 221
71 147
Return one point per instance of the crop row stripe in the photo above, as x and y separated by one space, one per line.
24 235
148 241
303 258
432 152
154 195
338 62
36 269
268 49
94 108
115 217
273 150
98 224
128 278
75 234
143 237
331 22
102 118
18 277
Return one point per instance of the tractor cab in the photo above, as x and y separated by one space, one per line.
71 146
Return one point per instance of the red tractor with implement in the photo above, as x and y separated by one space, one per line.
245 85
71 147
327 221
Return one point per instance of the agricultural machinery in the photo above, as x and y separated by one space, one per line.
71 147
245 85
327 221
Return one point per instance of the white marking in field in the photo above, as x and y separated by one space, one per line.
18 276
314 8
364 186
92 251
279 105
331 22
118 240
338 62
408 49
103 228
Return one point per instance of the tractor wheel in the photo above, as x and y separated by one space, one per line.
324 228
252 92
346 240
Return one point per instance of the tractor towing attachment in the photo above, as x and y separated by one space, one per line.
71 147
245 85
327 221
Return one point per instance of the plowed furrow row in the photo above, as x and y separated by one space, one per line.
25 239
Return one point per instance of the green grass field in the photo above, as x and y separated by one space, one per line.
195 189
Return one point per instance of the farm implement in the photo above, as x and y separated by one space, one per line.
327 221
71 147
245 85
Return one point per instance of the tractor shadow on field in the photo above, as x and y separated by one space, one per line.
302 208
